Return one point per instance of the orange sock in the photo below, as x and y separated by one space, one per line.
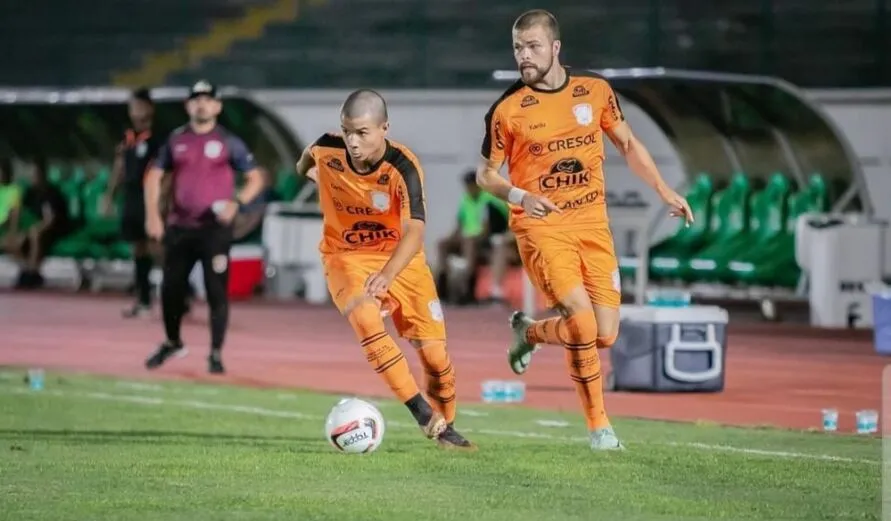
440 376
584 367
547 331
382 352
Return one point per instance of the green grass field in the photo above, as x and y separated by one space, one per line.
96 449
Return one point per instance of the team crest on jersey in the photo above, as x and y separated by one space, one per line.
141 149
213 149
380 201
583 113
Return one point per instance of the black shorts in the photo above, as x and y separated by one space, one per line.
209 245
133 217
49 238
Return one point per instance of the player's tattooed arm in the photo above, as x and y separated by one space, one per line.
306 165
641 163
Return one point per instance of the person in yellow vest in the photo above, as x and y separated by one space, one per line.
481 228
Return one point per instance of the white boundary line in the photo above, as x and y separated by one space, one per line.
262 411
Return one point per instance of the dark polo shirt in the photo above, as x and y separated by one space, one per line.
203 168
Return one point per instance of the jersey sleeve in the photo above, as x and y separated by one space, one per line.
612 113
164 160
411 189
498 138
240 158
326 141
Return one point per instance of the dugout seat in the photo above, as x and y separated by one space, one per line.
774 263
765 222
686 239
727 219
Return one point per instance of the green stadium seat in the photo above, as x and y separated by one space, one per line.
686 239
774 263
287 185
726 219
766 222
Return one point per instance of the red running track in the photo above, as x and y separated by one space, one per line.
776 374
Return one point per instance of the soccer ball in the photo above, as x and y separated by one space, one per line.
354 426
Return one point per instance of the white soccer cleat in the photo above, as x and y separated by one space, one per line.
520 354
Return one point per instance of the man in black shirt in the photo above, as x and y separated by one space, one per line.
46 203
134 155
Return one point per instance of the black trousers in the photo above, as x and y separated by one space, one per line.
210 246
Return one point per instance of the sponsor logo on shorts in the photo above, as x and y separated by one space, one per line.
528 101
566 174
592 197
617 281
580 91
352 210
436 312
219 263
564 144
335 164
366 233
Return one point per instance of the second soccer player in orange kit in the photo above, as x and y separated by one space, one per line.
374 210
549 128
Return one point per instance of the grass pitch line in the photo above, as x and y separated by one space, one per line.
262 411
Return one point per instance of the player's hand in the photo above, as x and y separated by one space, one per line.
313 175
227 212
377 284
679 205
154 228
538 206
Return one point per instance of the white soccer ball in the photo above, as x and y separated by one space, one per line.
354 426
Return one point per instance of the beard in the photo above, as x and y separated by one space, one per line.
535 73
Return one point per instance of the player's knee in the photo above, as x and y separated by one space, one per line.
575 302
581 329
604 341
365 317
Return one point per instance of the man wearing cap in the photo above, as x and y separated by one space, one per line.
203 158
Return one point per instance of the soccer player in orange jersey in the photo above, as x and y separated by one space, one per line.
373 205
549 128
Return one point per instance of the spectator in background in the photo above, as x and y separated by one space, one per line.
45 207
481 229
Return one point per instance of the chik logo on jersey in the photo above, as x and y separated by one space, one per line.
366 233
565 174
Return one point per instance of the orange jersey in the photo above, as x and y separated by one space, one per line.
365 211
552 142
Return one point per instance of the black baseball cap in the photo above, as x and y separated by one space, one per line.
204 88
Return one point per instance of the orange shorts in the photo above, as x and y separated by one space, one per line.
559 261
412 301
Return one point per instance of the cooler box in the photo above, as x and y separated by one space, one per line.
245 270
665 349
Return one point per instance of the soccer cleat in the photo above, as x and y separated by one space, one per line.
215 363
520 354
166 350
452 439
435 426
605 439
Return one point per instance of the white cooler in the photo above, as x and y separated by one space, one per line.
670 349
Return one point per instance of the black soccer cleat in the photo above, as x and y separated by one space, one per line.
452 439
166 350
215 363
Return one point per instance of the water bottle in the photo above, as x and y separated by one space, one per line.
514 391
830 420
493 391
867 422
35 379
